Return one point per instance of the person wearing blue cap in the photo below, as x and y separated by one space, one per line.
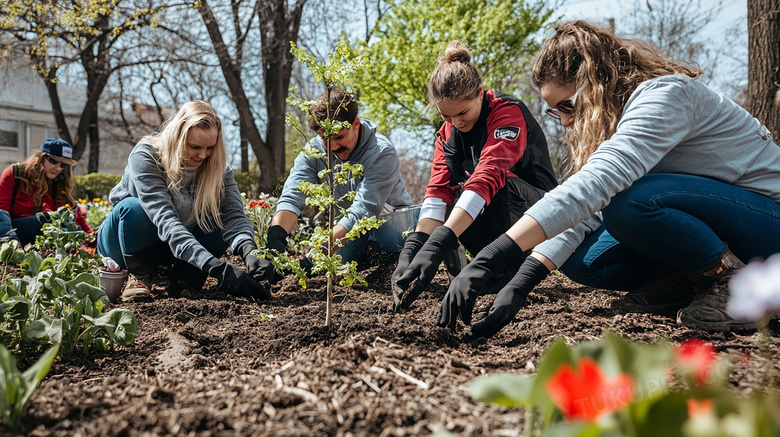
30 189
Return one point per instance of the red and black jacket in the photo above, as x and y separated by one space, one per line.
505 141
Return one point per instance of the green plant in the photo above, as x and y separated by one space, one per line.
57 299
94 185
68 241
260 212
17 387
621 388
321 247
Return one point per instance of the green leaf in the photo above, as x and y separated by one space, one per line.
16 307
82 286
577 429
557 354
120 325
35 374
16 388
11 253
507 389
31 265
47 328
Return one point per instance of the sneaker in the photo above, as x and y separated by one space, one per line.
137 289
662 296
708 309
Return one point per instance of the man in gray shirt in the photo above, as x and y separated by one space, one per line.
380 187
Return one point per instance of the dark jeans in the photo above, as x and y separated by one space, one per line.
128 230
27 228
682 221
506 207
388 238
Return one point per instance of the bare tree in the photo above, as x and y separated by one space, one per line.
675 27
278 24
55 36
764 62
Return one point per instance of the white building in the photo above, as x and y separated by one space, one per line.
26 120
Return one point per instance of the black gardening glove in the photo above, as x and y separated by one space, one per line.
509 300
261 269
234 280
424 265
43 217
412 245
474 278
276 239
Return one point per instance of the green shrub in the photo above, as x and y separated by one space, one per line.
94 185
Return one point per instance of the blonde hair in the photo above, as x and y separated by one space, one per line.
35 183
606 69
455 77
171 146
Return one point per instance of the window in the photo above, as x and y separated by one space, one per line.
9 133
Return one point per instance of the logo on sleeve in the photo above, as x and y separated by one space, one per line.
508 133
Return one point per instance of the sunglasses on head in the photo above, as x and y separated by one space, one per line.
53 161
564 107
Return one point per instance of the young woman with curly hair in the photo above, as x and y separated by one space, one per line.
674 187
31 189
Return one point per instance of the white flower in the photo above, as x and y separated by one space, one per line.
755 290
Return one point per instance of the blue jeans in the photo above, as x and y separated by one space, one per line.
127 230
682 221
27 228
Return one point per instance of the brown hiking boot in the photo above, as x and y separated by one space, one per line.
708 309
137 289
664 296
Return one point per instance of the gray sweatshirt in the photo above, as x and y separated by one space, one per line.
670 124
144 178
380 184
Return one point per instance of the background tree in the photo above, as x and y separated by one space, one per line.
676 28
89 33
278 23
403 47
764 62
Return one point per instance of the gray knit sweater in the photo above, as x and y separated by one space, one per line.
670 124
144 178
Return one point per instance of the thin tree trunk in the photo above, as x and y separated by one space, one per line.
94 144
764 62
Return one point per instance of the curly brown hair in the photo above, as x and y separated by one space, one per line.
606 69
35 184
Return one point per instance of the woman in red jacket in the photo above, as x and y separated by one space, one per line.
490 164
30 189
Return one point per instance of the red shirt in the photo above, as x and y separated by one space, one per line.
24 204
505 141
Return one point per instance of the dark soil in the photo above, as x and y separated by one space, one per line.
214 365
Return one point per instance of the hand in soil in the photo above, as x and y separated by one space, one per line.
423 267
260 268
508 301
234 280
490 264
412 245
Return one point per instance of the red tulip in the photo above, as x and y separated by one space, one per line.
697 357
586 394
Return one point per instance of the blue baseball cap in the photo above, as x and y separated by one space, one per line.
60 148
